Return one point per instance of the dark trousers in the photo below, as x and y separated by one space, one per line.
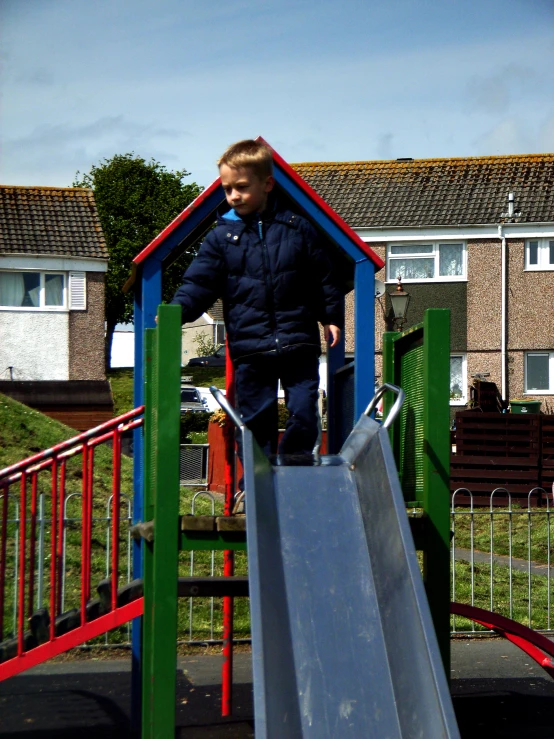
256 383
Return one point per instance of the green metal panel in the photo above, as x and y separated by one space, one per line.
436 472
418 360
411 441
162 500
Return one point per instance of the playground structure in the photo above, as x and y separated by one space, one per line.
371 520
310 662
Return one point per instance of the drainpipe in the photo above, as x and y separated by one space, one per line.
503 311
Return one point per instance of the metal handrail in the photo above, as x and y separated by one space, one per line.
227 407
395 410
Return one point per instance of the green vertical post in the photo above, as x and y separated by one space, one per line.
388 375
418 360
162 504
436 472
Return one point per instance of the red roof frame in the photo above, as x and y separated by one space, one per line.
295 177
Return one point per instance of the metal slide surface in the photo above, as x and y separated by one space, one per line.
343 643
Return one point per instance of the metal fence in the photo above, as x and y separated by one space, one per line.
193 465
202 622
102 529
501 557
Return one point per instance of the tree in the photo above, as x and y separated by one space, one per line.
136 199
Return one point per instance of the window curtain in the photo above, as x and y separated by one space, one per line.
450 260
12 288
456 378
54 289
412 269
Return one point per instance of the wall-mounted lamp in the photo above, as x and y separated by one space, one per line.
400 300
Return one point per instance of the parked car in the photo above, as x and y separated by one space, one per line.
209 400
192 401
217 359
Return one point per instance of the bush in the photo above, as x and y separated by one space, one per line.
205 345
193 422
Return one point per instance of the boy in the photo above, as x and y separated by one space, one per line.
276 282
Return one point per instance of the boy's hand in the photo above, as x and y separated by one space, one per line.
332 334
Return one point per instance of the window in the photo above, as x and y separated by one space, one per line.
416 262
32 290
219 333
458 379
539 254
539 372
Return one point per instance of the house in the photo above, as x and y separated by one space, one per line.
210 327
123 346
475 235
53 261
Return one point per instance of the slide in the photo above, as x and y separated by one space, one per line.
343 642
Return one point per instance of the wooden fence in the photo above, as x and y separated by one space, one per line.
502 450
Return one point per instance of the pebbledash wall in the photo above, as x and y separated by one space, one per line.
66 344
86 333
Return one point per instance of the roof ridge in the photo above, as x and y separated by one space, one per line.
46 187
407 160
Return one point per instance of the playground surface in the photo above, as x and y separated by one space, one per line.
498 693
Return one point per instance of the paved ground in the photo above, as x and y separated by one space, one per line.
498 693
521 565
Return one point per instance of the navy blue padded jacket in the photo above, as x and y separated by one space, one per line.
275 278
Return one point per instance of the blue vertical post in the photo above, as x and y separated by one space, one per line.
148 295
364 358
335 360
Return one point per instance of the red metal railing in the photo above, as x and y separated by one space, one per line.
21 649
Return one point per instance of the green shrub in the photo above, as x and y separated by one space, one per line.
193 422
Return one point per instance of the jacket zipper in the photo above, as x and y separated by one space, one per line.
269 291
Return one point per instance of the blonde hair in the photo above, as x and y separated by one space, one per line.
249 153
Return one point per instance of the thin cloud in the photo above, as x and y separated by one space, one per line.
495 93
509 135
61 150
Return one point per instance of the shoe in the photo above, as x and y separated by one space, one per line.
238 507
292 460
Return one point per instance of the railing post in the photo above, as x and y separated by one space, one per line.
3 548
21 594
162 430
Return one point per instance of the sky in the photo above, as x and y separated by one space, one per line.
320 80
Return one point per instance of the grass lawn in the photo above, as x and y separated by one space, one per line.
526 597
531 532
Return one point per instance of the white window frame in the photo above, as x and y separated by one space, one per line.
463 399
434 254
42 293
544 248
550 354
219 332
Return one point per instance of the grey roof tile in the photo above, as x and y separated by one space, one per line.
59 221
435 192
216 311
